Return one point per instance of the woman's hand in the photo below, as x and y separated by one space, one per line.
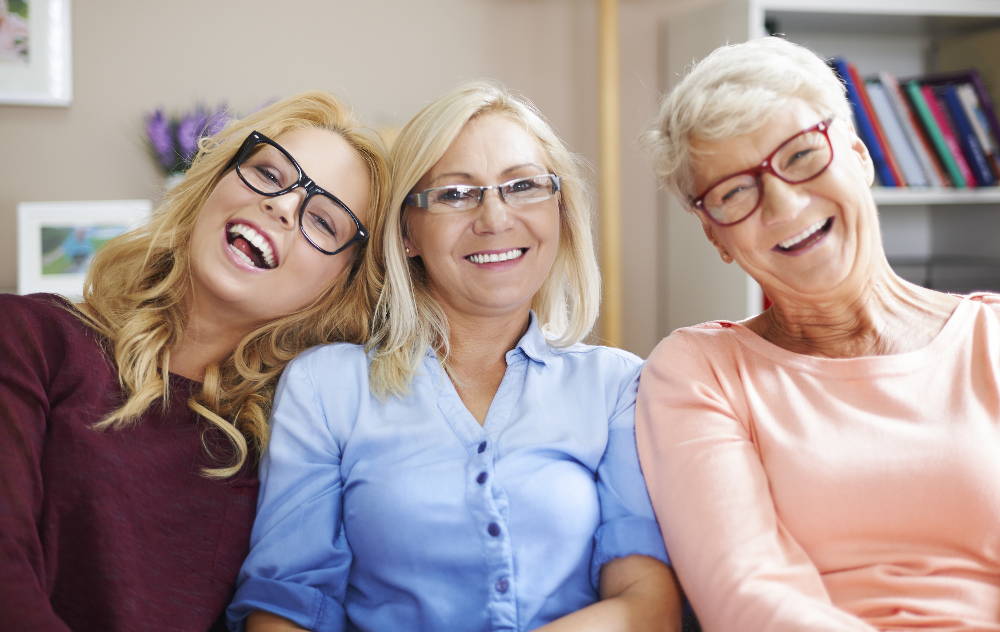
638 593
260 621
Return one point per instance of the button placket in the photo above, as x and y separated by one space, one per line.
488 502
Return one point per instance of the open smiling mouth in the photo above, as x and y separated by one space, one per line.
496 257
806 238
250 246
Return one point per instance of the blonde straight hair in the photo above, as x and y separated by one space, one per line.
135 291
408 320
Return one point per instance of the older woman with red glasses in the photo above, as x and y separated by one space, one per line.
832 463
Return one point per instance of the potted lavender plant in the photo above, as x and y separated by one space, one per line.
173 140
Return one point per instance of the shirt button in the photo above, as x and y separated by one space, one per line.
493 529
481 448
481 478
502 585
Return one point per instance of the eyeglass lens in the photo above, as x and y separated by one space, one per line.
324 222
519 192
800 158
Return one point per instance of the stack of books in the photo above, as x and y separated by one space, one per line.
939 130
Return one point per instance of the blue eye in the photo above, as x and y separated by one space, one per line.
454 196
799 154
527 184
268 173
322 224
734 192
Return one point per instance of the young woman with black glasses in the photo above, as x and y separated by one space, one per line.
130 422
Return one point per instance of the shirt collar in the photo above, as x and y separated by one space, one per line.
533 343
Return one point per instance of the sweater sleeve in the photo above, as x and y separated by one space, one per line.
25 363
740 567
299 557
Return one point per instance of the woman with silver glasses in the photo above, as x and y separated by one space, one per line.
474 469
131 422
832 463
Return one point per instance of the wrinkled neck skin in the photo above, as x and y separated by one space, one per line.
480 342
885 315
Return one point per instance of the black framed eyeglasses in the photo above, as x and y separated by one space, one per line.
800 158
326 222
465 197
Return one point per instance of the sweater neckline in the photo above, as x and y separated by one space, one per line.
954 327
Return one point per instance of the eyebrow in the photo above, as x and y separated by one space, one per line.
468 176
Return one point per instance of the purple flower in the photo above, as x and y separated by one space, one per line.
189 129
217 120
160 139
174 140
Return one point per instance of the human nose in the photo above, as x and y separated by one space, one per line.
494 215
780 201
283 208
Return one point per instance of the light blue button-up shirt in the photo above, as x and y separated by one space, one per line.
407 514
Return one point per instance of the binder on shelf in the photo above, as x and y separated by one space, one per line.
864 125
974 111
972 77
934 133
914 134
899 142
947 131
966 136
890 159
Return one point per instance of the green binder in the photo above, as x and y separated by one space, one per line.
934 133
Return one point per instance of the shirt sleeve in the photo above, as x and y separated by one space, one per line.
24 406
299 558
739 566
628 526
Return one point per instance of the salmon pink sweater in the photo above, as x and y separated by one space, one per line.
805 493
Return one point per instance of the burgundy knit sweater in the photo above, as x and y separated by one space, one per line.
114 530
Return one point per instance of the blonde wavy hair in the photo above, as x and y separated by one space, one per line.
408 320
735 90
135 290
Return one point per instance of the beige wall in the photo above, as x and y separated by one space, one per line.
386 57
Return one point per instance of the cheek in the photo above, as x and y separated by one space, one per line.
436 238
214 210
741 241
314 272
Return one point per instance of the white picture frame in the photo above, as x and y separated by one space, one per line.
57 240
36 65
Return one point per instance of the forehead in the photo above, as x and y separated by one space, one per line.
330 161
712 159
317 150
488 147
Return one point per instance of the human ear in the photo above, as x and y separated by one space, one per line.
408 245
860 151
410 249
710 233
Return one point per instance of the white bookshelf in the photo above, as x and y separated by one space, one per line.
939 226
910 196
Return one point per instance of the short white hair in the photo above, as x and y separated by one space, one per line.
734 91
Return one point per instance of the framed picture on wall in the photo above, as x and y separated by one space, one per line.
35 59
56 241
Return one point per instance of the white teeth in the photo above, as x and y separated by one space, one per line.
788 243
494 257
259 241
